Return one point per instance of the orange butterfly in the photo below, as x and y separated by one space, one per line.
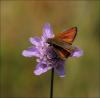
62 42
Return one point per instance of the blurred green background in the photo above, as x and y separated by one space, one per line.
23 19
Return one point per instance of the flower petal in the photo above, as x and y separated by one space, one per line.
77 52
59 68
41 68
30 52
35 41
47 31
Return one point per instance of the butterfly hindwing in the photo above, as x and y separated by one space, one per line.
62 53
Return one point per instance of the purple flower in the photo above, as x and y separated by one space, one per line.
45 54
77 52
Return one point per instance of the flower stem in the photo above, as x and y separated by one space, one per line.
52 79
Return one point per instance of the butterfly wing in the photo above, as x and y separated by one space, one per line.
67 36
61 52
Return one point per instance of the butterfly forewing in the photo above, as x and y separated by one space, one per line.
67 36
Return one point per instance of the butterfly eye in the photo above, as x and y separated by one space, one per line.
49 40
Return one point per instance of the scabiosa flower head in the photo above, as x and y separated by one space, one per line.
39 49
45 54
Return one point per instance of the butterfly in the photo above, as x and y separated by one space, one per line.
62 43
